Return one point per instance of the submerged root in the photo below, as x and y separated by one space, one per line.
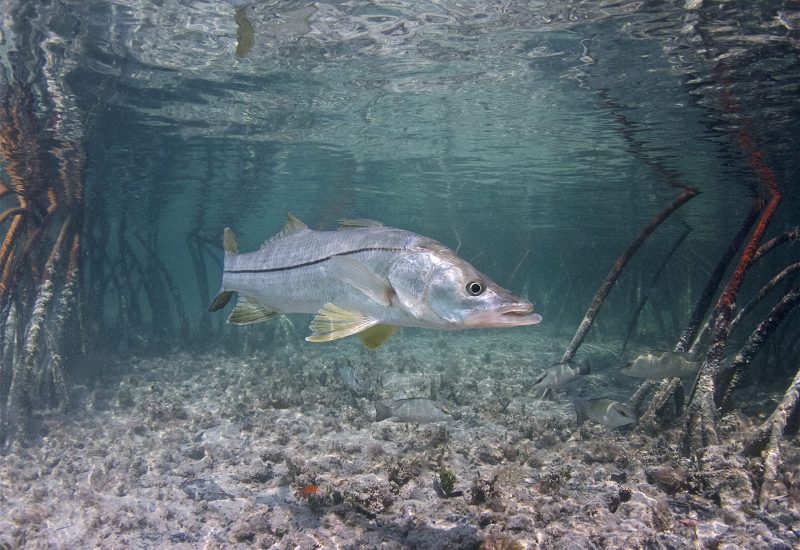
650 421
767 439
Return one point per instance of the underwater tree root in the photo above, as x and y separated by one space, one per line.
772 283
37 291
652 418
700 426
653 280
766 441
613 275
753 345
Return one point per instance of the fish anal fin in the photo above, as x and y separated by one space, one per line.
229 241
293 225
374 337
247 313
221 300
362 278
333 322
356 223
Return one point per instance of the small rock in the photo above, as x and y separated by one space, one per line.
708 532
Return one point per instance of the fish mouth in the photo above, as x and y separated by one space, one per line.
516 314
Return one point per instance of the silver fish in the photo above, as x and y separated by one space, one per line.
349 377
364 278
605 411
662 365
415 410
559 374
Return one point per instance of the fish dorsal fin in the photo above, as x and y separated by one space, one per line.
362 278
360 222
375 336
333 322
293 225
229 241
247 313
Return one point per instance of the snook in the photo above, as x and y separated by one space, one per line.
364 278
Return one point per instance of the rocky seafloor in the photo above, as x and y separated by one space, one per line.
271 449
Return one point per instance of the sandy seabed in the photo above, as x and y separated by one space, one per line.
273 450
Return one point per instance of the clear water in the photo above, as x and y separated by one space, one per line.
536 138
551 131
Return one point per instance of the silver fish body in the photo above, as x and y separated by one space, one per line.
656 366
605 411
559 374
363 276
413 410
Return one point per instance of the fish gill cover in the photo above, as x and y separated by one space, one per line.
630 168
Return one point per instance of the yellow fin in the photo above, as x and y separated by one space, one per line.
333 322
247 313
361 222
377 335
229 241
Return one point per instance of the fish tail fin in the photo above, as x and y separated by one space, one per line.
230 247
382 412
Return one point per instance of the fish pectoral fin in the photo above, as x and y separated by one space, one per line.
361 222
377 335
247 313
362 278
333 322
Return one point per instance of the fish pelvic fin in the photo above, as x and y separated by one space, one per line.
247 312
374 337
221 300
229 241
362 278
382 412
333 322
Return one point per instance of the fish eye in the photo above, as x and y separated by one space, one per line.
475 288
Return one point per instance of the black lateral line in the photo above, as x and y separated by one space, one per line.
312 262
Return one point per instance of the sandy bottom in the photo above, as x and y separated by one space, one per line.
273 450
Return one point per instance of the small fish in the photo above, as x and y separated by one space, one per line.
662 365
363 279
349 377
414 410
203 489
605 411
559 374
